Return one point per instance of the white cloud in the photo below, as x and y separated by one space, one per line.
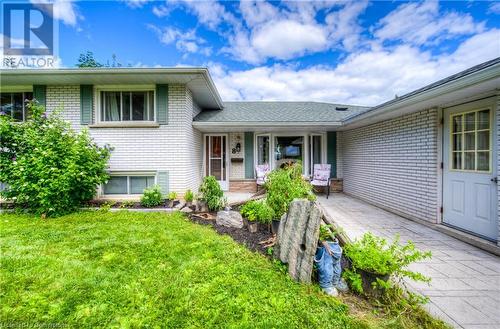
421 23
161 11
344 26
365 78
287 39
136 3
494 8
186 42
63 10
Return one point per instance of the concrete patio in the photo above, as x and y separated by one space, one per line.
465 286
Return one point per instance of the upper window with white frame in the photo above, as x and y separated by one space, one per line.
127 106
14 104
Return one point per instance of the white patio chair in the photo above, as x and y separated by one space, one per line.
321 177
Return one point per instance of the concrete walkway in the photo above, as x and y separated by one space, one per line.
465 286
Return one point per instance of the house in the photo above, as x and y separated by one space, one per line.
430 155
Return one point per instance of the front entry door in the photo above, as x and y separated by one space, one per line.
216 159
469 169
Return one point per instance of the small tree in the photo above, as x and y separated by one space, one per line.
87 60
48 168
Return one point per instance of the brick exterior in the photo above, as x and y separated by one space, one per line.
175 147
242 185
393 164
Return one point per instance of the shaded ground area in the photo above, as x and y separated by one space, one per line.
465 286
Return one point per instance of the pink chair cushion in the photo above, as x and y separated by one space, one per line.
321 175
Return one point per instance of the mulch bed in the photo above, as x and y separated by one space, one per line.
124 204
253 241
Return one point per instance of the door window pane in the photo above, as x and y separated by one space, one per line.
470 122
262 150
483 121
470 141
139 183
18 105
216 147
469 160
457 123
457 142
116 185
457 160
483 161
483 140
216 168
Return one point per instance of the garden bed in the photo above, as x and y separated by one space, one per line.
253 241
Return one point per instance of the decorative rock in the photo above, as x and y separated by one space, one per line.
187 210
180 205
229 219
297 239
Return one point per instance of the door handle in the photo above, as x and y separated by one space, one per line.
494 180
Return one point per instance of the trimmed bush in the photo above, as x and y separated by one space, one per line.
152 197
212 193
49 169
284 185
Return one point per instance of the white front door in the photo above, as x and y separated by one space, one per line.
216 159
469 170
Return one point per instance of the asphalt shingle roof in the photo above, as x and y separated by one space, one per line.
263 111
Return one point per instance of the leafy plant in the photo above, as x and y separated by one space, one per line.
172 196
189 196
284 185
152 196
325 233
49 169
127 204
375 255
257 210
212 193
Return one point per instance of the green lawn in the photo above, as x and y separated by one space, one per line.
126 269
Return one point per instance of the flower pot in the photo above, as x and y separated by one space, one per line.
275 226
368 278
252 227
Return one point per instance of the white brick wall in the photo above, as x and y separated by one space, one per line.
237 169
173 147
498 163
393 164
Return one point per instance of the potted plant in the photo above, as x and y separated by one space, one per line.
374 261
189 197
171 197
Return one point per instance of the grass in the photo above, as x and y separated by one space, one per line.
129 269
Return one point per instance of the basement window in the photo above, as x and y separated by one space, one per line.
124 184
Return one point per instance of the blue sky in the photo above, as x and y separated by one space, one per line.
352 52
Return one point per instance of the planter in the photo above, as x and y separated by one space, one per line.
275 226
253 227
368 278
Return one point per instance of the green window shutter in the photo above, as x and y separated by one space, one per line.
39 93
162 104
331 152
249 163
86 104
162 179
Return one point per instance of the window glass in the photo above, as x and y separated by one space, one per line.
139 106
470 121
483 140
14 104
289 149
457 160
457 142
139 183
457 123
262 150
116 185
470 141
111 106
127 105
